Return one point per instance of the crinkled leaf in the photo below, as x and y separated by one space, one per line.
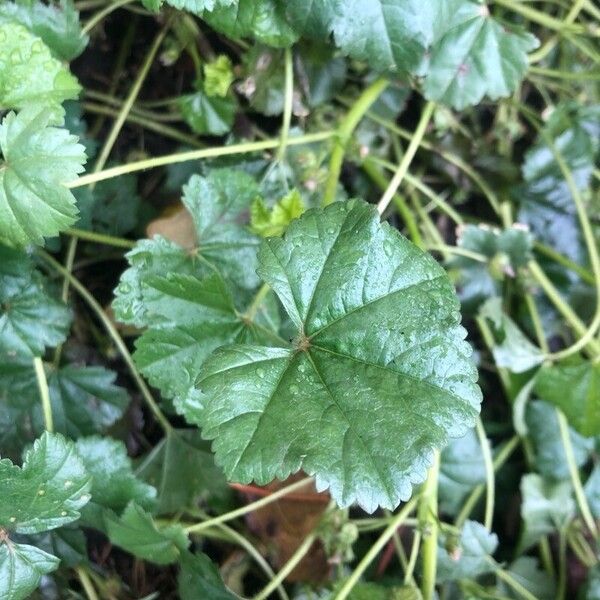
57 25
48 491
135 532
476 57
549 452
31 319
21 569
378 376
472 556
272 222
546 506
182 469
575 389
218 76
207 115
28 71
462 469
39 159
199 578
113 485
512 350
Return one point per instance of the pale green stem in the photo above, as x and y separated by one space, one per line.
407 158
244 510
582 502
458 251
288 104
412 560
515 585
180 157
114 334
375 549
289 566
566 262
538 17
86 584
100 15
561 584
344 133
42 382
257 302
428 516
100 238
486 453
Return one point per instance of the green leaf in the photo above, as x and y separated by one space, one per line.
21 569
47 491
218 76
67 543
526 571
546 507
475 57
374 591
592 585
195 6
461 470
273 222
30 318
207 115
377 377
592 491
549 452
199 578
183 471
38 160
136 533
512 349
57 26
470 556
29 73
113 485
575 389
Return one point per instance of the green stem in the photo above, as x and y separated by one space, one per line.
86 584
288 104
515 585
114 334
101 14
180 157
257 301
375 549
582 502
561 584
289 566
244 510
413 145
538 17
100 238
428 516
344 133
40 375
412 560
486 453
566 262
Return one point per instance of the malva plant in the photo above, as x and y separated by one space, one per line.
299 299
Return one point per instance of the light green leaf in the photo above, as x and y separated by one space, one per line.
512 349
218 76
30 318
207 115
471 556
183 471
38 159
575 389
57 26
546 507
28 71
21 569
48 491
136 533
273 222
378 374
199 578
475 57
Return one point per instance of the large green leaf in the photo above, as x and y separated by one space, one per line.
135 532
475 57
48 491
21 569
377 376
58 26
30 318
28 71
38 160
575 389
199 578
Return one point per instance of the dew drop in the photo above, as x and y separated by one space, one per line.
41 492
301 368
388 248
68 483
293 389
63 513
13 519
260 373
125 288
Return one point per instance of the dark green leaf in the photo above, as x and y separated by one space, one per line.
67 543
39 159
48 491
373 314
208 115
21 568
199 578
136 533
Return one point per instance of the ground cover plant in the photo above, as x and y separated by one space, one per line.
299 300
